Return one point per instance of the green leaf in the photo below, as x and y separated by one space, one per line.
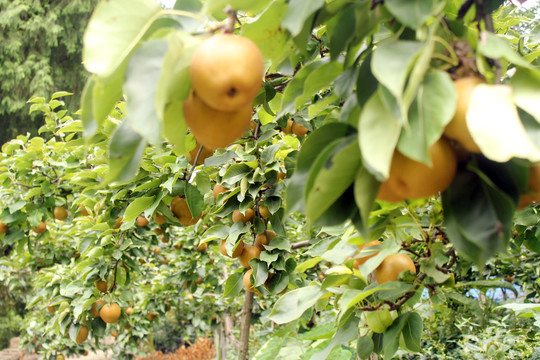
495 47
215 232
410 325
392 61
526 86
478 216
295 93
266 31
141 86
308 264
270 349
343 335
432 110
126 149
106 93
137 207
378 133
364 347
340 29
334 178
293 304
114 30
87 112
366 83
234 284
311 149
235 173
174 126
195 200
412 331
298 12
366 188
413 13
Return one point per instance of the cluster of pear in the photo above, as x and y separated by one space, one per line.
410 179
245 252
59 213
390 267
226 74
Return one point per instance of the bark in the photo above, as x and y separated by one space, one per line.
243 354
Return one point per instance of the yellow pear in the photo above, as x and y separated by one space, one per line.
227 72
410 179
457 128
213 128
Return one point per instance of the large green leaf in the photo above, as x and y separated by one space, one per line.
141 87
333 178
496 46
273 41
292 305
409 325
126 149
311 148
343 335
233 284
298 12
433 109
296 88
195 200
478 215
526 86
392 61
378 132
366 188
340 28
137 207
412 13
114 30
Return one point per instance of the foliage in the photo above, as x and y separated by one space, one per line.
389 87
41 51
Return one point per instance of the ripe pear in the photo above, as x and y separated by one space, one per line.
410 179
180 209
392 266
247 281
249 252
60 213
288 129
160 219
359 261
141 221
213 128
238 216
264 239
236 253
299 130
3 227
457 128
205 153
227 72
41 228
534 188
219 189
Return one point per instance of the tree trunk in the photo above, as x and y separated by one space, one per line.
243 354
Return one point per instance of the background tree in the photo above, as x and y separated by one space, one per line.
41 52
